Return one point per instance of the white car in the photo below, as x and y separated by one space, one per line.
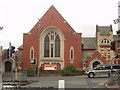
103 70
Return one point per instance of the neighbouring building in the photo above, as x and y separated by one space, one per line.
97 50
8 64
118 47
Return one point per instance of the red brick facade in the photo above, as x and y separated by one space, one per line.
52 21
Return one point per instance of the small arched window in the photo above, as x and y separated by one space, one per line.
31 53
71 53
105 41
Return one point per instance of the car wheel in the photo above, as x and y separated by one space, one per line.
91 75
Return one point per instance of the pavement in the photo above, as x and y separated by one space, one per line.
113 82
112 86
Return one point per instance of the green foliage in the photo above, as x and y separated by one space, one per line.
31 72
71 71
70 68
80 72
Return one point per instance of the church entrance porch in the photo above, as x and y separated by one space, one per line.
96 63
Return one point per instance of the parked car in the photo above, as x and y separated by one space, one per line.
103 70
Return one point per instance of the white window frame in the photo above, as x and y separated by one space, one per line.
71 50
31 58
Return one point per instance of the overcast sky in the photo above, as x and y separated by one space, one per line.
20 16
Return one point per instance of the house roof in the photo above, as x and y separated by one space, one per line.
20 48
4 51
89 42
104 30
52 12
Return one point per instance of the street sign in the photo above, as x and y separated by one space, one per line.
50 66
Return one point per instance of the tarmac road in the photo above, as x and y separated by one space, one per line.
70 81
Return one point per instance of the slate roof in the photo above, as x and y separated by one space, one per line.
89 42
86 55
104 30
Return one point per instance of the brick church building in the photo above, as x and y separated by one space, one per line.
52 44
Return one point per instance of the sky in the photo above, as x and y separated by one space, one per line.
20 16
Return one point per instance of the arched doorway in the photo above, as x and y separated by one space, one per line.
8 66
96 63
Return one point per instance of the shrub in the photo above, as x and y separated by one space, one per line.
31 72
68 71
80 72
71 71
71 68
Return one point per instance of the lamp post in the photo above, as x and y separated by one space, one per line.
0 67
1 85
117 21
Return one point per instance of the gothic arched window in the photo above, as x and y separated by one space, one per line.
52 45
46 46
57 46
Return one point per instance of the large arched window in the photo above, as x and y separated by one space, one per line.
52 45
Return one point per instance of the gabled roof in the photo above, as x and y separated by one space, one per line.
89 42
20 48
51 14
104 30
